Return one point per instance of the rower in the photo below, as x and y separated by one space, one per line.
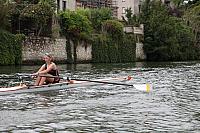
48 69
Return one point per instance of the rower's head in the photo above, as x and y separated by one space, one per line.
48 57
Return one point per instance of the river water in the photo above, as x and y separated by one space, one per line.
172 106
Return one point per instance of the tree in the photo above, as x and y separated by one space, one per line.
4 15
165 37
98 16
193 19
39 14
131 19
178 3
74 25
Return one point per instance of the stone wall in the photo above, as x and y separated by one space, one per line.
84 52
140 55
35 47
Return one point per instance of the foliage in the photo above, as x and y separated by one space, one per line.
105 49
110 46
192 16
166 37
4 15
178 3
131 19
51 2
114 28
74 25
85 12
27 1
39 14
10 48
98 16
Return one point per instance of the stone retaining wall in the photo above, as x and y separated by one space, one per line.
35 47
140 55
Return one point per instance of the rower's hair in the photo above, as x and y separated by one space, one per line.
49 55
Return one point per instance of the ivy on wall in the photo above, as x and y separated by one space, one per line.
105 49
10 48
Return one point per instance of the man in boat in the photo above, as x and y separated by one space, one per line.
46 71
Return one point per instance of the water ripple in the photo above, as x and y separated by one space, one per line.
173 106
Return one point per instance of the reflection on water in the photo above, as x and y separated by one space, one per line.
173 106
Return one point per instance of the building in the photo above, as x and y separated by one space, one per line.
112 4
65 4
118 7
125 4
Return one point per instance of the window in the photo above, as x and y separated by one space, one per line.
64 5
123 10
58 5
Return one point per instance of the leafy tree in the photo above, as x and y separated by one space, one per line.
4 15
40 14
178 3
85 12
131 19
75 25
192 16
114 28
166 37
98 16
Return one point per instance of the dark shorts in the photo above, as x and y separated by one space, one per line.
56 80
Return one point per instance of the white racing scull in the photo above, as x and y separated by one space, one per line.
73 83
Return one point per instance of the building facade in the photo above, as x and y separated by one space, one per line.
125 4
118 7
112 4
65 5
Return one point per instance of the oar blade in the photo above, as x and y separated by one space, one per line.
144 87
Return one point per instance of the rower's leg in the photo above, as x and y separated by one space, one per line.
42 80
37 81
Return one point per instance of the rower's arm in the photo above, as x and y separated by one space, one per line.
41 68
49 68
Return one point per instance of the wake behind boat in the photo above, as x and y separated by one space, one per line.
73 83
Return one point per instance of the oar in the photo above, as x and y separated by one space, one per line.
9 78
4 76
17 76
142 87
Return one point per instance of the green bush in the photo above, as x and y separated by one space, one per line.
114 28
75 26
10 48
98 16
106 49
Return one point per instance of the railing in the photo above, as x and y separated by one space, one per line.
135 30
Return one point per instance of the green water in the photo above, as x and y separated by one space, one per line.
172 106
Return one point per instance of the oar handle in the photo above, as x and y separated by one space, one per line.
48 76
104 82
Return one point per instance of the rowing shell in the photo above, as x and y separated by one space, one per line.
57 86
